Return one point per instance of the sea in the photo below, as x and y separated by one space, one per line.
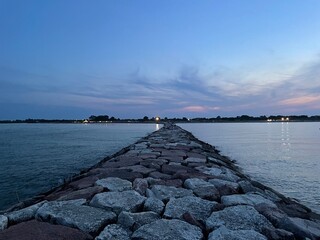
35 158
281 155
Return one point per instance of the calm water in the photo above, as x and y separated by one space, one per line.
284 156
36 157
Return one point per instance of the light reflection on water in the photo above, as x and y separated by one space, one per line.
284 156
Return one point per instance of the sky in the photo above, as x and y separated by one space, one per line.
171 58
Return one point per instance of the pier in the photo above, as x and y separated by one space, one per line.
168 185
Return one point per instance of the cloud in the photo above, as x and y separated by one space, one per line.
198 109
190 91
305 100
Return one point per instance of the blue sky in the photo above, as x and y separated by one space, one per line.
74 58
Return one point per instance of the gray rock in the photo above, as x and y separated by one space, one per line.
216 161
199 208
193 183
114 232
281 220
238 218
224 233
164 193
202 188
272 195
117 202
225 187
221 173
311 229
154 205
195 160
133 221
224 183
24 214
72 214
140 185
247 187
175 164
114 184
245 199
209 193
159 175
168 230
3 222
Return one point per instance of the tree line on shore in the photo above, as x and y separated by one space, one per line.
146 119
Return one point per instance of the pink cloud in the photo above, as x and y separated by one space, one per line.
199 108
300 100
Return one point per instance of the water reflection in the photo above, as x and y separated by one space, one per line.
284 156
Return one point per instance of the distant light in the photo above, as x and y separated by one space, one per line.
269 120
282 119
287 119
157 119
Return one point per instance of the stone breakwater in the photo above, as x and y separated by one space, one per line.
168 185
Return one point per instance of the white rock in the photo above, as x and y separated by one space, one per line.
73 214
240 217
117 202
24 214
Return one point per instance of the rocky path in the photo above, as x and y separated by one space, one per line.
168 185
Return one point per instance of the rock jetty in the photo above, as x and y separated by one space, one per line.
168 185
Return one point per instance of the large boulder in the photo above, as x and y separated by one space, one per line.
71 214
24 214
193 183
114 232
164 193
199 208
251 199
168 230
308 228
224 233
238 218
133 221
117 202
153 204
220 172
33 230
114 184
221 185
202 188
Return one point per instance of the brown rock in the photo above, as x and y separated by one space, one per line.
185 175
173 169
123 162
86 193
84 182
121 173
159 175
34 230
